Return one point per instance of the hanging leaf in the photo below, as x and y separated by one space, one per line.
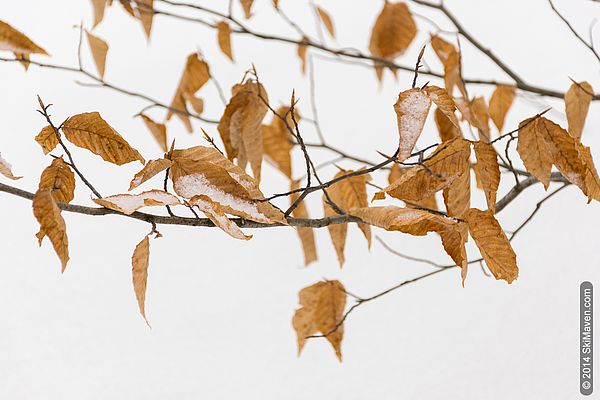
493 244
47 139
99 6
6 170
534 149
411 109
327 21
444 103
158 131
488 171
217 215
15 41
481 117
429 202
322 311
195 75
145 13
99 48
278 141
224 38
129 203
139 272
152 168
60 180
306 235
450 59
247 6
500 103
196 102
457 196
52 224
240 126
302 50
392 33
577 104
446 128
437 172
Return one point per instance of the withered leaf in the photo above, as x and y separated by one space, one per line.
145 13
47 139
151 168
429 202
493 244
217 215
247 7
6 170
91 132
306 235
322 311
446 128
59 179
99 49
500 103
158 131
327 21
411 109
439 171
99 6
488 171
15 41
224 38
240 125
534 149
444 103
302 50
129 203
450 59
577 104
457 196
139 272
481 118
195 75
277 141
52 223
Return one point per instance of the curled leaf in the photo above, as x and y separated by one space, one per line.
217 215
6 170
151 168
411 109
47 139
488 171
129 203
158 131
139 272
224 38
52 223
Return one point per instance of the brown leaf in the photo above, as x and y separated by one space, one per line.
47 139
247 6
52 223
534 149
158 131
429 202
322 311
446 128
139 272
6 170
196 102
302 50
306 235
450 59
15 41
493 244
347 194
411 109
99 6
457 196
60 180
327 21
89 131
217 215
145 10
577 104
277 141
488 171
195 75
481 118
444 103
500 103
240 126
99 48
392 33
129 203
224 38
439 171
151 168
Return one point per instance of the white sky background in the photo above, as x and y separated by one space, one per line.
220 309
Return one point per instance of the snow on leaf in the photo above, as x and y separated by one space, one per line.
129 203
6 170
217 215
411 109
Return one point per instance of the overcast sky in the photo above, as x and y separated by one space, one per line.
221 309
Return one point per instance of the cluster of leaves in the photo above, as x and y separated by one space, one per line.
216 183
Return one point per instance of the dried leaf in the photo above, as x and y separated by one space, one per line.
577 104
488 171
99 6
47 139
60 180
240 126
457 196
393 31
217 215
129 203
302 50
139 272
534 149
500 103
99 48
493 244
429 203
481 118
15 41
91 132
145 10
322 311
247 6
306 235
411 109
195 75
446 128
158 131
450 59
439 171
52 223
327 21
277 141
224 38
151 168
6 170
444 103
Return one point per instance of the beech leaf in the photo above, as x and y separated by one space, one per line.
411 109
306 235
139 272
47 139
327 21
129 203
217 215
158 131
151 168
488 171
52 224
224 38
577 104
6 170
99 49
15 41
500 103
